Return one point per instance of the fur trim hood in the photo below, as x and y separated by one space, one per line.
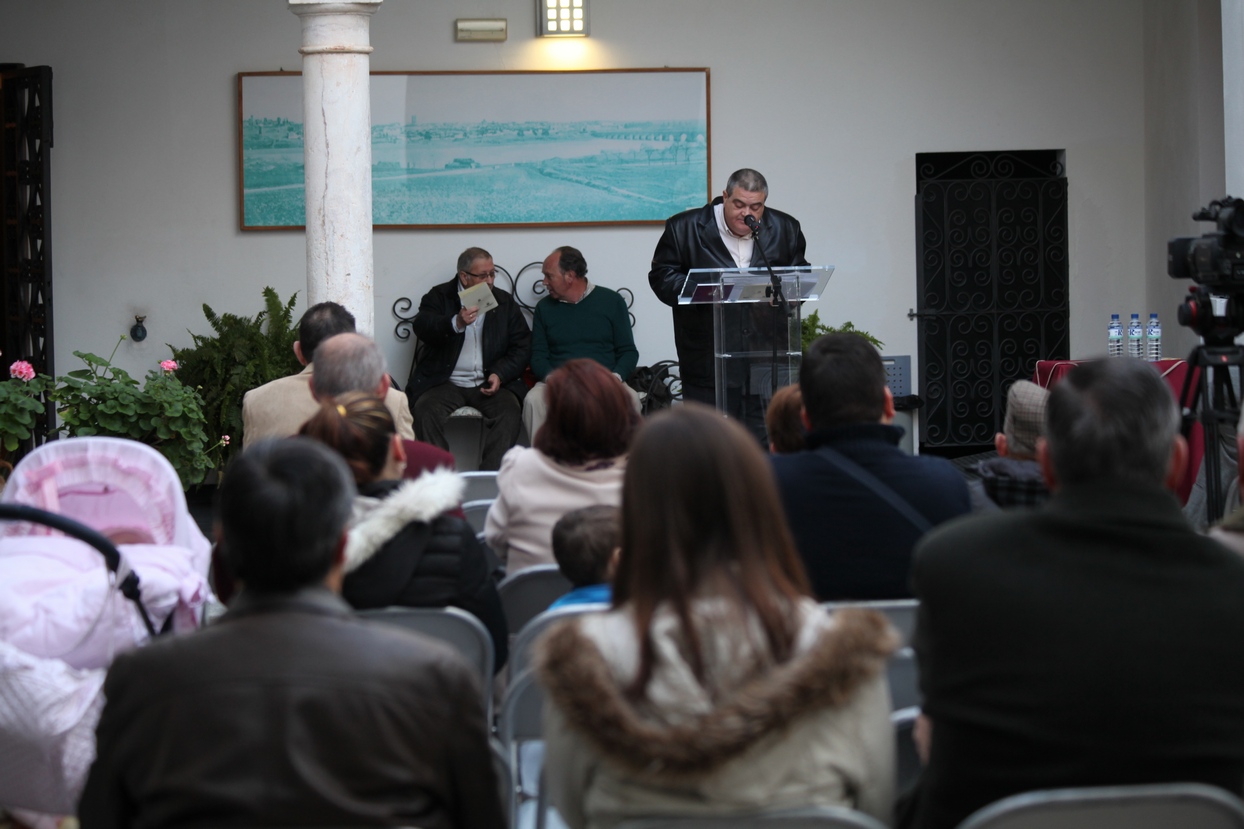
375 520
581 684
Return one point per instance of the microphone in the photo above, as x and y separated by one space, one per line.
751 223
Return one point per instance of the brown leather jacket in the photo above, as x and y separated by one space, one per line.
291 710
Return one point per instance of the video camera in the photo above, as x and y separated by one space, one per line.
1215 262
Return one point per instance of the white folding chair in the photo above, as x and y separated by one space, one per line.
908 759
455 627
903 675
476 513
480 486
521 731
823 817
520 650
1150 806
530 591
900 612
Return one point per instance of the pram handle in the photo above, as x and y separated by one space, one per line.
112 556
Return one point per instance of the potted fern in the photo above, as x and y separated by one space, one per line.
812 327
241 354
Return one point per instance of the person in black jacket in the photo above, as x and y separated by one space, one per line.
405 546
717 236
856 503
470 358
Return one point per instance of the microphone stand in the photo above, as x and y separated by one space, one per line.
777 299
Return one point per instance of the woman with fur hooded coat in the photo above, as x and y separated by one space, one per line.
405 546
715 684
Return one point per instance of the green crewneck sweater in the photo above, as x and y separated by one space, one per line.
597 326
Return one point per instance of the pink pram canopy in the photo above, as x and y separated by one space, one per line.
61 619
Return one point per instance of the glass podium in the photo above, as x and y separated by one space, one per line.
757 347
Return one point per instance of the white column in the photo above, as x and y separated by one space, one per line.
1233 93
337 153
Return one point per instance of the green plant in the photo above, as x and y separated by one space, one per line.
102 399
163 413
813 328
243 353
21 404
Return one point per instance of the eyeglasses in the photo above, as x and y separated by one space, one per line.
488 275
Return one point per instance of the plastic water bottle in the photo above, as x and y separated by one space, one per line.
1135 338
1114 337
1153 339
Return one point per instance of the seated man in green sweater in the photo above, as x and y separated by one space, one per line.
576 319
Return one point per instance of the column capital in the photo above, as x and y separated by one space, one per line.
335 28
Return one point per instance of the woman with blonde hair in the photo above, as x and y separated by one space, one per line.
715 684
405 545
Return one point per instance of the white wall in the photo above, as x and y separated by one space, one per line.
1184 147
830 99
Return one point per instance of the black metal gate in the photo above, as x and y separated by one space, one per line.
25 213
991 264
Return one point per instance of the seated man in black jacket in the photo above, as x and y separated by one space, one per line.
856 503
472 358
290 710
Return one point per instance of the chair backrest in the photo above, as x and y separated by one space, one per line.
480 486
900 612
505 775
902 673
520 651
522 721
824 817
1154 806
451 625
476 512
909 765
529 592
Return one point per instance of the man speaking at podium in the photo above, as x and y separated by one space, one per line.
718 235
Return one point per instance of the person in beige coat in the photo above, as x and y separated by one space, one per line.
715 685
577 460
279 408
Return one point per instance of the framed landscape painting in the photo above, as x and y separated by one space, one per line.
502 149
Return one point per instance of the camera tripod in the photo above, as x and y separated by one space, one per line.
1210 365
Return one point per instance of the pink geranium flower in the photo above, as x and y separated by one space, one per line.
22 370
224 440
169 365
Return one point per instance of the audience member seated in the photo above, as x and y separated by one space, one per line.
856 503
1093 641
1014 479
471 358
352 362
1230 530
577 460
406 547
784 421
586 543
576 320
277 409
290 710
716 684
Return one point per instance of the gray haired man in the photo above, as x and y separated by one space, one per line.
1093 641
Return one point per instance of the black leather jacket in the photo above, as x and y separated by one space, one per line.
506 341
692 240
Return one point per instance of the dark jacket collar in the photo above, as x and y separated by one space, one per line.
855 433
317 600
1119 500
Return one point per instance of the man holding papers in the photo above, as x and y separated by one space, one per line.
476 345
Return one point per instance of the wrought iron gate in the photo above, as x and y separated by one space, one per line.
991 264
25 214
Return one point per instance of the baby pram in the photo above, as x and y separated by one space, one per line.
132 563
